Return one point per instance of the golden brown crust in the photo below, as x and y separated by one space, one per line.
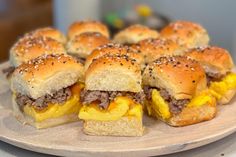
30 47
112 49
110 73
186 33
193 115
213 59
87 26
180 76
134 34
83 44
152 49
50 33
46 74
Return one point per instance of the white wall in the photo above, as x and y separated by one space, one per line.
68 11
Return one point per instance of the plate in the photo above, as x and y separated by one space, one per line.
69 140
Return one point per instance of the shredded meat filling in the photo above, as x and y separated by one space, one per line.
58 97
78 58
8 71
176 106
104 97
213 77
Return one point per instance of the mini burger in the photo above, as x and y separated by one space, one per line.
218 65
152 49
112 98
134 34
83 44
50 33
186 34
30 47
80 27
46 91
112 49
176 91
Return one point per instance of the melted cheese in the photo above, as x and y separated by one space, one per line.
220 88
56 110
159 108
121 106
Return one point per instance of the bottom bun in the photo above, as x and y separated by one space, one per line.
227 97
193 115
27 120
126 126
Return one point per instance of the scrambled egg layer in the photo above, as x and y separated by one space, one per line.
159 108
219 89
121 106
57 110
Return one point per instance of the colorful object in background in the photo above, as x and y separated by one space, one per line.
140 14
143 10
114 20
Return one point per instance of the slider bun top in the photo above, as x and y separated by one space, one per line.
79 27
83 44
45 75
186 33
213 59
181 76
30 47
50 33
114 74
112 49
134 34
152 49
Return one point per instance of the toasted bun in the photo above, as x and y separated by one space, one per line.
227 97
152 49
87 26
112 49
25 119
193 115
179 75
45 75
213 59
114 74
126 126
30 47
134 34
83 44
50 33
186 33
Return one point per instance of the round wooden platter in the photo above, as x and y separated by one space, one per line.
69 140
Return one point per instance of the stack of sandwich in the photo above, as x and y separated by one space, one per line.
174 76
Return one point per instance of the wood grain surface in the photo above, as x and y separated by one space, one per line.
69 140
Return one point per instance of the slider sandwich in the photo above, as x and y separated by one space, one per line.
46 91
83 44
185 33
152 49
112 97
176 91
30 47
80 27
134 34
218 65
50 33
112 49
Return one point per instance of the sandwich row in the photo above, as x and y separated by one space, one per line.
169 78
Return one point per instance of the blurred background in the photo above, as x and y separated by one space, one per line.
20 16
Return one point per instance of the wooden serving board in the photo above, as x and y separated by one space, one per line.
69 140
